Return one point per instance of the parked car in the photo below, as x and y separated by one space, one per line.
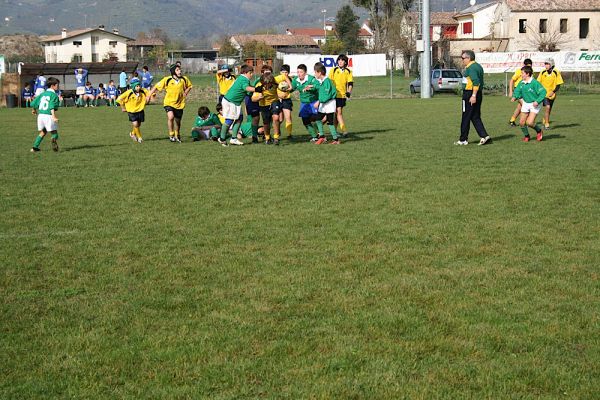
442 80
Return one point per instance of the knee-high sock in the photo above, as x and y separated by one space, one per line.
38 141
333 132
311 130
342 127
288 128
137 132
55 136
224 130
525 130
254 131
320 127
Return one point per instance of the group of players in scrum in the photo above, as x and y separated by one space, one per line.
322 100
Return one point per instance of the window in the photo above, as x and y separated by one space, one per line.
543 26
436 74
95 40
563 25
94 57
112 43
522 26
451 74
467 28
584 28
76 58
76 43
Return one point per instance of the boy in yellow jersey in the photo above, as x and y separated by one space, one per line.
133 102
343 81
551 80
514 82
225 80
177 87
285 97
270 106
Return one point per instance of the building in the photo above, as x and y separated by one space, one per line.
140 49
320 35
282 44
85 45
548 25
476 21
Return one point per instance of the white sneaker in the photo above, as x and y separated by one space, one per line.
171 139
139 140
484 140
236 142
223 142
461 143
177 140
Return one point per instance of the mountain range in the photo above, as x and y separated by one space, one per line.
190 20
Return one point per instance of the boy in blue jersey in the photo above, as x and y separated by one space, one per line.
89 95
80 80
111 94
100 93
147 78
27 95
40 84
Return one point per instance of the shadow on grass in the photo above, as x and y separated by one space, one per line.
303 139
565 126
93 146
503 137
553 136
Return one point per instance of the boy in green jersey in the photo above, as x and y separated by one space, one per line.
306 85
207 125
45 106
530 94
325 105
232 105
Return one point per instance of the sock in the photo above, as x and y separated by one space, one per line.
538 127
525 130
171 134
333 132
311 130
342 128
235 129
55 136
195 134
38 141
254 131
513 119
320 127
137 132
214 132
224 130
288 128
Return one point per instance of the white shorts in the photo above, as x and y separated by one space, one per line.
327 108
230 110
39 91
80 90
529 108
45 122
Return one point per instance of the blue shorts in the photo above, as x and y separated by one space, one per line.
307 110
252 108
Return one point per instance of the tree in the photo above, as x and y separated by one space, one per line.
333 46
227 48
259 50
346 29
550 40
381 12
401 35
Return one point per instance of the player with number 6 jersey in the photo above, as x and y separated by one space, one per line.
46 105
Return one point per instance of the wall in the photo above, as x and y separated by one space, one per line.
482 23
63 51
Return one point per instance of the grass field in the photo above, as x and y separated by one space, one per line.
393 266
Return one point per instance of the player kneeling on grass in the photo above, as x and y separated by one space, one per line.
326 105
530 93
45 105
133 102
207 125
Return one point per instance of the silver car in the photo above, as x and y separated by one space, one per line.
442 80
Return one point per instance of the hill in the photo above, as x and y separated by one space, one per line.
183 19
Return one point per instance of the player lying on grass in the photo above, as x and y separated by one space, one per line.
530 93
207 125
45 105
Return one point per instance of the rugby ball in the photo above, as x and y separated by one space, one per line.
283 86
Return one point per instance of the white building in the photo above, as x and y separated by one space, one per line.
476 22
85 45
548 25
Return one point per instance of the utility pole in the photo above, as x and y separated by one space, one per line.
426 59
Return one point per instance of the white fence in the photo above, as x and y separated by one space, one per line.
360 64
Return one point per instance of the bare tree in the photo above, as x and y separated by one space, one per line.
549 40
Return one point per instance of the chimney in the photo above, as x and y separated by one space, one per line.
115 31
63 33
101 27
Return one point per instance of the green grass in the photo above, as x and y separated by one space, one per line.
393 266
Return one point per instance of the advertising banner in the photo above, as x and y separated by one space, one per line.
360 64
565 61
